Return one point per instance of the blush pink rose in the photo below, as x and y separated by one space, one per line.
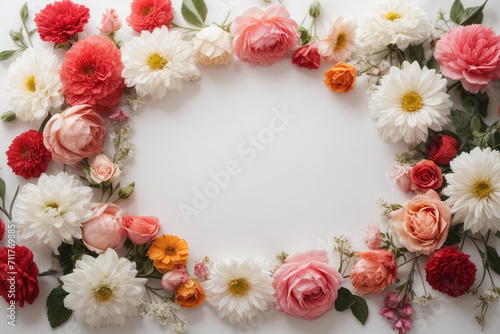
264 37
103 230
470 54
401 173
426 175
375 271
110 22
76 133
306 286
201 270
102 169
373 238
307 56
422 223
141 230
172 279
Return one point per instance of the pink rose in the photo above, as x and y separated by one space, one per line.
426 175
307 56
373 238
401 173
201 270
103 170
141 230
110 22
470 54
422 223
374 272
172 279
103 230
264 37
306 286
76 133
118 115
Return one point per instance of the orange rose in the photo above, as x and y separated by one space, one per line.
340 78
374 272
190 294
168 251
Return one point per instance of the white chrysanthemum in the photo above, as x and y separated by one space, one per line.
103 290
340 40
410 101
158 61
33 84
474 190
397 22
239 289
52 211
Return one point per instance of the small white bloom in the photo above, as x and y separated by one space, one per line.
340 40
213 46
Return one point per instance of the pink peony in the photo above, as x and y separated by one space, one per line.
110 22
307 56
201 270
374 272
150 14
306 286
172 279
103 230
264 37
470 54
373 237
141 230
401 173
76 133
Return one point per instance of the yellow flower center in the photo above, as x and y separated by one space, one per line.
157 62
340 41
391 16
31 84
52 205
147 10
411 102
103 294
483 189
238 287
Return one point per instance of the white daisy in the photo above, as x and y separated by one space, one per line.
340 40
239 289
474 190
397 22
52 211
103 290
33 84
410 101
158 61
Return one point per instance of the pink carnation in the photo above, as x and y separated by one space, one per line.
373 238
201 270
470 54
401 173
150 14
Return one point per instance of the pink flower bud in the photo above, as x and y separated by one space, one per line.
201 270
110 22
118 115
174 278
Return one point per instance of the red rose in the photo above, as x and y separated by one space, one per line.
307 56
27 155
442 149
2 229
20 281
450 271
426 175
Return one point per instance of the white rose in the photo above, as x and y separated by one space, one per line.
213 46
103 170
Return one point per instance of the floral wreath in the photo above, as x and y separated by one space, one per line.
452 165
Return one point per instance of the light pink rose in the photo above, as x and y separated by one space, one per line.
374 272
422 224
141 230
102 170
172 279
373 237
110 22
306 286
201 270
76 133
264 37
401 173
103 230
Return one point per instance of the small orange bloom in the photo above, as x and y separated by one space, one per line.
190 294
168 251
340 78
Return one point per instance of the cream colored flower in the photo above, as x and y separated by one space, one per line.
213 46
340 40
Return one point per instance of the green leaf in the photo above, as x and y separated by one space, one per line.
147 268
344 300
64 258
453 236
194 12
456 11
493 259
360 309
24 12
305 38
32 32
16 35
473 15
433 64
461 122
2 190
4 55
415 53
56 312
48 273
498 234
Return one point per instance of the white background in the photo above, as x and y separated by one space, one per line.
321 176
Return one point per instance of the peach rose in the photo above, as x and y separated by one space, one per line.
373 238
190 294
341 78
110 22
172 279
103 230
103 170
140 230
422 223
375 271
76 133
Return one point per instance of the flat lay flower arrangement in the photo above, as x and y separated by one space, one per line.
112 265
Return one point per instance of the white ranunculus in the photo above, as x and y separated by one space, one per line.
213 46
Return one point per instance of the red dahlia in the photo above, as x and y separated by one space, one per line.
91 74
450 271
18 275
59 21
27 155
149 14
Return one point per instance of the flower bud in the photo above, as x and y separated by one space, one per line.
126 191
305 38
8 116
315 9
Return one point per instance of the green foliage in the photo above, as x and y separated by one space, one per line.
57 313
453 236
415 53
492 259
346 300
466 16
360 309
194 12
461 122
69 254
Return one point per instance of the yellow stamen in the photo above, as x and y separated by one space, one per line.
157 62
31 84
391 16
483 189
103 294
411 102
238 287
340 41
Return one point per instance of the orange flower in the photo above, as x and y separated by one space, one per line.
340 78
190 294
168 251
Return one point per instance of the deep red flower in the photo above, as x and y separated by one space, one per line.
149 14
307 56
59 21
18 275
450 271
426 175
2 229
27 155
442 149
91 74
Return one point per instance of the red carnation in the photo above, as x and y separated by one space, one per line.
2 229
307 56
18 275
91 74
442 149
450 271
149 14
59 21
27 155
